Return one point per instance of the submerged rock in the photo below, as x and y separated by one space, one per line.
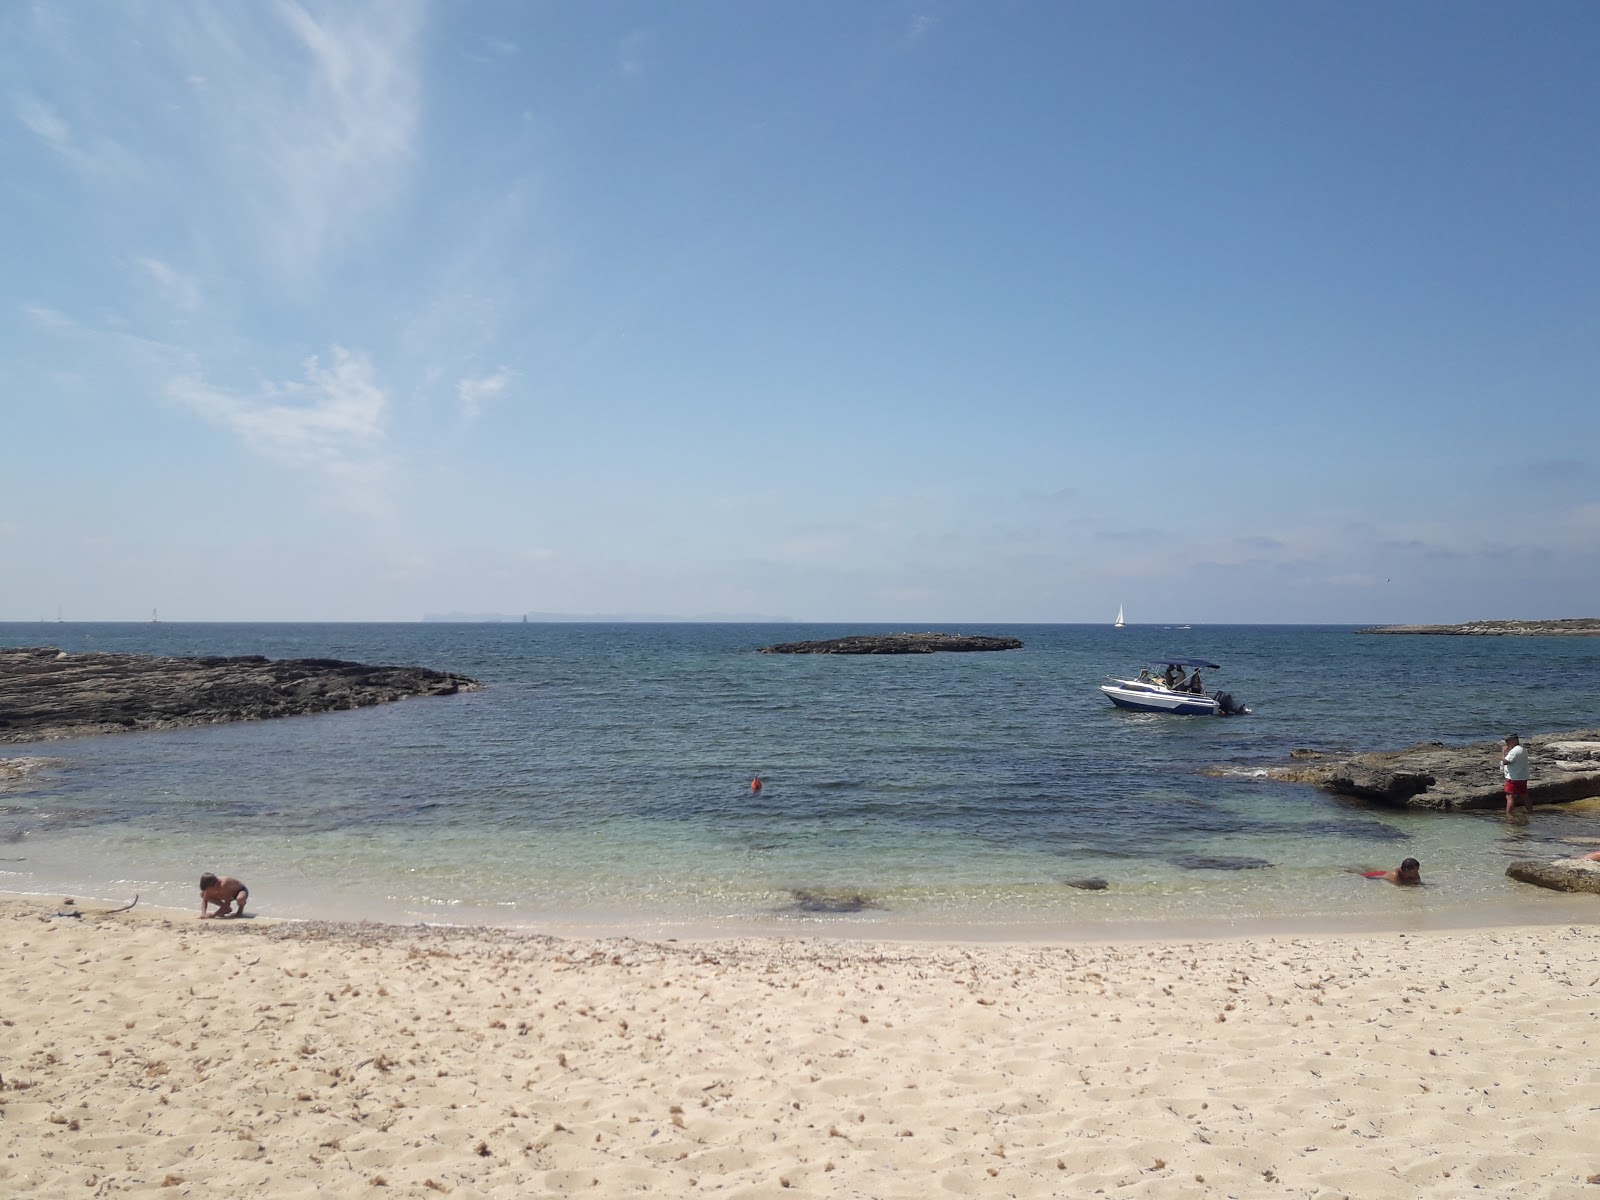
897 643
1563 875
46 693
808 901
1220 862
1088 885
17 774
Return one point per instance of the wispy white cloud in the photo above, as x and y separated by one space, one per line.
494 48
1354 579
631 53
131 355
332 423
179 289
475 392
46 317
277 129
327 130
41 120
90 153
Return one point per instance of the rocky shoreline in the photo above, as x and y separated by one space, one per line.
897 643
47 694
1433 775
1565 627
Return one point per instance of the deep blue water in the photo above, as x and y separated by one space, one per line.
601 778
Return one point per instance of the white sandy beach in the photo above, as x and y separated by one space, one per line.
149 1053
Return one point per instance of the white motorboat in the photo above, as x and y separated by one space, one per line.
1170 692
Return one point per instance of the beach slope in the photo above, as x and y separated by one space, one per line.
156 1055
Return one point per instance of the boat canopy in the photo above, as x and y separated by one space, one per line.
1185 662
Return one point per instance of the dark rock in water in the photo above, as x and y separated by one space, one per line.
47 693
1566 766
832 902
1564 875
1088 885
1378 783
1220 862
1350 826
896 643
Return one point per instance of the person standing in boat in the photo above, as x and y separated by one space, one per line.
1195 686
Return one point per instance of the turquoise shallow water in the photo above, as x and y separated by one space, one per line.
600 781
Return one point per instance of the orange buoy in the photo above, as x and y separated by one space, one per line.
755 784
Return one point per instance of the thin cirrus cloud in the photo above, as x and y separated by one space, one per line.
295 126
256 145
332 423
319 135
41 120
179 289
473 393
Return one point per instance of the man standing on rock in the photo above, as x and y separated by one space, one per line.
1514 766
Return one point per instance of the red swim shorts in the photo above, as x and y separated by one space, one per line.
1516 787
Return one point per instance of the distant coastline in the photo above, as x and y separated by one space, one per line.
621 618
1564 627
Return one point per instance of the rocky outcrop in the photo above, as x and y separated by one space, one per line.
1565 627
896 643
1563 875
46 693
1566 766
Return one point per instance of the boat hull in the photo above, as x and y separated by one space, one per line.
1160 700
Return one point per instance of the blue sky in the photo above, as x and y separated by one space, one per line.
838 311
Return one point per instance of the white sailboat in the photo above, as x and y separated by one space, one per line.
1119 623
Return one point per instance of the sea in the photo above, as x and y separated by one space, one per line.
599 783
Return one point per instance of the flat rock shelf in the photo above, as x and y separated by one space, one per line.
897 643
1453 778
46 693
1565 627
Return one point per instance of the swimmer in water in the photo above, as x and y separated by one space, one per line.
1408 874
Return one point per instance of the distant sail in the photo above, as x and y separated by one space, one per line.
1119 622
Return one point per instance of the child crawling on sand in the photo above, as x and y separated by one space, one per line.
1409 874
226 893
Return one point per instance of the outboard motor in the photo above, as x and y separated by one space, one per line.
1227 706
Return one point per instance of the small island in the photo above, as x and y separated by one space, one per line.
47 693
897 643
1564 627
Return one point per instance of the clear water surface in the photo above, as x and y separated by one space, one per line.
600 782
